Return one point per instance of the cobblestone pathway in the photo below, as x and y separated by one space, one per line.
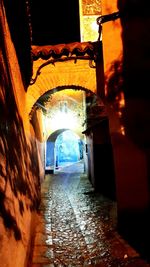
77 227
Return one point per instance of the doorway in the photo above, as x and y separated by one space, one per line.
63 148
68 149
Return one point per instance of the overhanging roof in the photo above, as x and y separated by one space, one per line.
64 50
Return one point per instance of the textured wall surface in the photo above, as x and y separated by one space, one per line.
19 168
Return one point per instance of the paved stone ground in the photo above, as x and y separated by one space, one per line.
76 227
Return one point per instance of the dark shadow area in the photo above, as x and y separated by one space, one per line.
19 163
134 226
99 147
8 219
135 21
114 81
53 23
17 13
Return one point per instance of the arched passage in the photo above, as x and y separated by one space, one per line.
63 108
84 113
74 68
63 147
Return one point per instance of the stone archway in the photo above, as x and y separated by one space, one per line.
53 158
49 151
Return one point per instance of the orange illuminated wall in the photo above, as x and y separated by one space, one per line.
90 10
111 37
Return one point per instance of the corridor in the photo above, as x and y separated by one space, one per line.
77 226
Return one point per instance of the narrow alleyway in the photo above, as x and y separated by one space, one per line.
77 227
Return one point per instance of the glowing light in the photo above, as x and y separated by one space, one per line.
62 120
122 100
95 26
122 130
119 114
89 28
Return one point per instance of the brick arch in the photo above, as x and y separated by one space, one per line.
66 74
57 89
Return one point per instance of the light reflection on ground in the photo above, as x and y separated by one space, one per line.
77 227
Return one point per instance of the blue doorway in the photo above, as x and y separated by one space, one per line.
68 149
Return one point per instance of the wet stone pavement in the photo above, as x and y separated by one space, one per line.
76 227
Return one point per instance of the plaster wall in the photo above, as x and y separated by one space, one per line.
111 38
19 163
39 131
126 42
127 154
